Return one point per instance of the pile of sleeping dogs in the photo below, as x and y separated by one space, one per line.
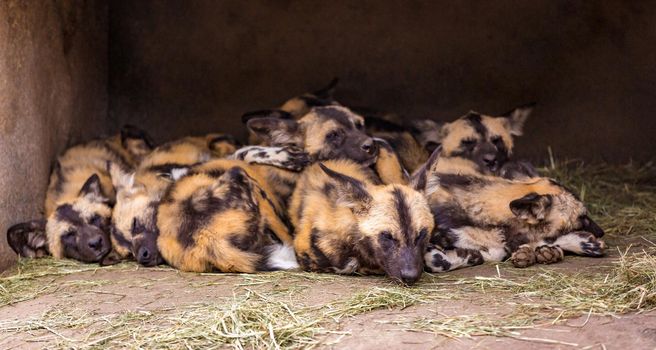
322 186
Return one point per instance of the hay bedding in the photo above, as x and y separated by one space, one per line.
64 304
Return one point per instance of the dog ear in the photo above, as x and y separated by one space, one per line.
389 166
93 189
266 113
136 141
427 132
327 92
28 239
532 208
419 179
222 145
121 179
274 131
516 118
350 192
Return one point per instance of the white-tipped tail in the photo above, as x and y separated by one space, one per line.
282 257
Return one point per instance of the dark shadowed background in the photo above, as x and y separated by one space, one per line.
180 67
73 70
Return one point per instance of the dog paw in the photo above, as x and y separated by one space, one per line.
593 247
436 260
523 257
548 254
296 159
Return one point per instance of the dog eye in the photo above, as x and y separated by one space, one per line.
96 220
133 229
333 135
421 236
496 140
387 236
468 143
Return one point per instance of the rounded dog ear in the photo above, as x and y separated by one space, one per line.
351 192
28 239
92 188
532 208
419 179
266 113
237 175
222 145
327 91
427 132
121 179
136 140
273 130
516 118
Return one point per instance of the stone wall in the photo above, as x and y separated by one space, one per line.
53 93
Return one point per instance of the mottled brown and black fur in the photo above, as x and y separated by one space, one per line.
483 139
487 141
411 152
79 201
139 192
327 133
224 217
488 218
346 221
134 223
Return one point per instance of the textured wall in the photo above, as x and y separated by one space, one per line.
182 67
53 91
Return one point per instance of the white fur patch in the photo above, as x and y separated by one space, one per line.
262 155
282 257
177 173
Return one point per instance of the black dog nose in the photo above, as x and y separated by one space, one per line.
410 275
490 159
369 146
96 243
144 254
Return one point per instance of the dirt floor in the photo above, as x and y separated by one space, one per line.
79 303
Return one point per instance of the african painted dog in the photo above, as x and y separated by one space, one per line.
297 107
138 192
79 201
347 222
482 218
224 217
134 222
487 141
327 133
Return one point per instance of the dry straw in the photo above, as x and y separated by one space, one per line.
271 311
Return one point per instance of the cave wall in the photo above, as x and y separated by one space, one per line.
53 93
181 67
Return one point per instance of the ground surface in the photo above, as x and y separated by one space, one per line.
604 303
89 307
